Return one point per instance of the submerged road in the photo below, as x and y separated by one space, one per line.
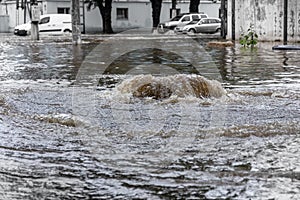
69 131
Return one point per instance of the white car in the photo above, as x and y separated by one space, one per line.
179 29
50 23
179 20
207 25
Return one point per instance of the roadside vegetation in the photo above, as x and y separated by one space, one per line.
250 38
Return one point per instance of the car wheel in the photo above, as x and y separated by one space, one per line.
192 31
23 33
67 31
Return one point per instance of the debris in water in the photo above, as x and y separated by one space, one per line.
220 44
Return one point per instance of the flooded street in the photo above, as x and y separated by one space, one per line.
212 123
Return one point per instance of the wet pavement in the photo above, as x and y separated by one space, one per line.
71 128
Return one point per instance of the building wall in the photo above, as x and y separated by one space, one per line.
139 15
294 20
266 17
139 12
4 22
50 6
16 16
208 7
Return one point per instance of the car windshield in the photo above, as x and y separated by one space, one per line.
176 18
193 22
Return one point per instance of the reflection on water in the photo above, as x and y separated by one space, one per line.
150 56
63 138
41 60
238 65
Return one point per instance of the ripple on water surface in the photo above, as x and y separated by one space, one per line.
47 151
60 140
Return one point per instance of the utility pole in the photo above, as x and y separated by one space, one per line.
233 20
35 19
223 16
24 7
285 21
76 33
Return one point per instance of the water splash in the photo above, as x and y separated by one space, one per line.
176 85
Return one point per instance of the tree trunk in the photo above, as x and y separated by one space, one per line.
107 20
194 6
174 4
105 12
156 9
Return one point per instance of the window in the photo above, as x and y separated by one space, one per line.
203 16
205 21
176 18
186 19
212 21
63 10
45 20
195 18
122 13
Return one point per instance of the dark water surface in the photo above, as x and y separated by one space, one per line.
71 129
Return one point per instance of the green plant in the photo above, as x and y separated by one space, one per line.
250 38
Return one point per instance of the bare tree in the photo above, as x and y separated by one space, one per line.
105 11
194 6
156 9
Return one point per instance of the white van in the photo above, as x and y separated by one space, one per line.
49 24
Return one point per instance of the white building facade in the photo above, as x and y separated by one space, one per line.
125 14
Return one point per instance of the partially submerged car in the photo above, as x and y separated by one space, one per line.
179 20
207 25
50 23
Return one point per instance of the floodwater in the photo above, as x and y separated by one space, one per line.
73 127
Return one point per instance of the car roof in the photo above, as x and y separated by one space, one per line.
200 13
211 18
56 15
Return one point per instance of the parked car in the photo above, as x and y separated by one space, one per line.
181 19
23 29
50 23
179 28
207 25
